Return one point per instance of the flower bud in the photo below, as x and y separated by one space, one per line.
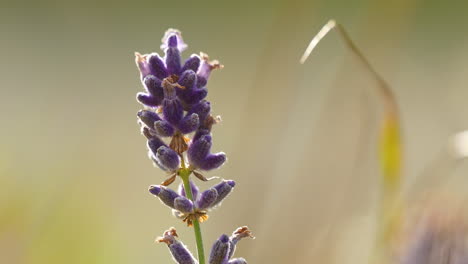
183 204
220 250
195 95
212 161
168 158
193 63
202 109
156 66
163 128
224 189
198 150
165 195
173 63
154 143
189 124
148 100
148 117
153 86
181 254
207 198
188 79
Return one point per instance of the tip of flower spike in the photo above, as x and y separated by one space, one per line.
154 189
224 238
173 38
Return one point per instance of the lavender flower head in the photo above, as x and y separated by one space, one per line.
177 123
175 106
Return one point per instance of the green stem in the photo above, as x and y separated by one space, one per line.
184 174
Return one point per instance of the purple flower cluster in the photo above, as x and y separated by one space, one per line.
176 106
188 210
221 252
177 123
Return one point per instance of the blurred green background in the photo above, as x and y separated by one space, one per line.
300 138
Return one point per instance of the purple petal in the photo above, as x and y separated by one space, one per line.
205 69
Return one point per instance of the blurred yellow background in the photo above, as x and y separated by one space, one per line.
300 139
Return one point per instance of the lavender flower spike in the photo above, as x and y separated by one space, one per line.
178 250
175 106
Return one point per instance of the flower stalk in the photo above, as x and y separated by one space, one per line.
184 175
